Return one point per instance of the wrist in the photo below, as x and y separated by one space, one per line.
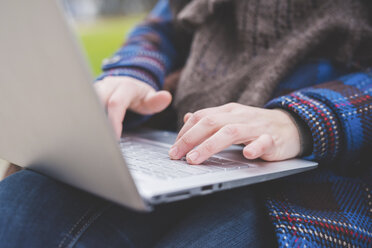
289 132
303 132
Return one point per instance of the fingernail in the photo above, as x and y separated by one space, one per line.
173 152
193 156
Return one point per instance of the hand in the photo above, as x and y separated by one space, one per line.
121 93
267 134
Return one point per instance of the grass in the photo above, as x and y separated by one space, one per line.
103 37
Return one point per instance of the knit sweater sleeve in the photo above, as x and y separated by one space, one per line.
339 116
148 54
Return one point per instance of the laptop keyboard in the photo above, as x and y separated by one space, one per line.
153 160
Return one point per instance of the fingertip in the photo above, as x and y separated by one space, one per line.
157 101
190 161
187 117
250 153
193 157
166 95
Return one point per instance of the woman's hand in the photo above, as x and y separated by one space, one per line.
267 134
121 93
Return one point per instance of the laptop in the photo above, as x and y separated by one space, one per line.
52 121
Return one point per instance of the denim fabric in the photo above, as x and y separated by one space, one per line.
36 211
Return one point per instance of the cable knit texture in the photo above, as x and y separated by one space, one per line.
252 45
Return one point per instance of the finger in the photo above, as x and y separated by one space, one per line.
104 91
117 106
259 147
186 117
223 138
197 134
198 115
153 102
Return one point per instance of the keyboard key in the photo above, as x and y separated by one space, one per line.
153 160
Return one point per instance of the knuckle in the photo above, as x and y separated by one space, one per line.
266 140
209 121
233 105
270 140
208 147
231 130
195 118
230 105
186 140
112 102
186 117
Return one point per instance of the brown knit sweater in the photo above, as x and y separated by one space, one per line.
241 49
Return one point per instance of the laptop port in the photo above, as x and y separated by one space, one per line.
207 188
178 194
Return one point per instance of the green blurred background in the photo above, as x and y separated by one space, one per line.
103 24
103 37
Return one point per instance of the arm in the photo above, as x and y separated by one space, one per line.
149 53
338 114
132 78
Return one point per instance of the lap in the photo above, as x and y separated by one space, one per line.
39 212
235 218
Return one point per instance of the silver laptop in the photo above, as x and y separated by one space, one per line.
51 121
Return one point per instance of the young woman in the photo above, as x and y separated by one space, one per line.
285 78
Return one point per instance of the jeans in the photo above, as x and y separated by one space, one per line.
36 211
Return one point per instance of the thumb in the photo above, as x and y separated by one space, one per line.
155 102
